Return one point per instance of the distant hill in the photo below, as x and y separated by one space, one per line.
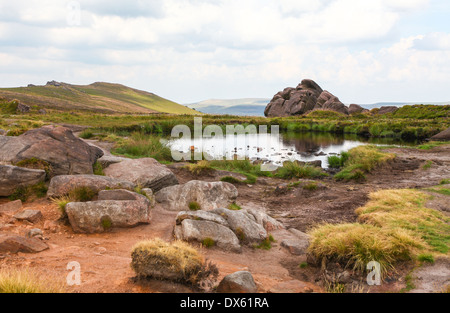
248 106
256 106
97 97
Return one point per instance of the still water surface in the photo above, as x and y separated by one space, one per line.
276 149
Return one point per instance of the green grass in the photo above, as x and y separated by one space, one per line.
234 207
295 170
393 226
194 206
311 186
338 161
25 193
208 243
98 169
426 258
362 160
143 146
445 182
266 244
427 165
97 97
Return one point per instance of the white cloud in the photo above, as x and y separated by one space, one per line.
189 50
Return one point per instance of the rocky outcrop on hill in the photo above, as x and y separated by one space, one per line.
57 146
308 96
387 109
209 195
114 209
147 173
13 177
356 109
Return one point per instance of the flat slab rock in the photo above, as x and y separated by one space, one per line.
15 244
209 195
32 216
146 173
114 209
63 184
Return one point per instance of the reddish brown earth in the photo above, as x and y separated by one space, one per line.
105 258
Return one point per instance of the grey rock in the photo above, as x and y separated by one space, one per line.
147 173
356 109
15 244
35 233
65 153
13 177
192 230
239 282
108 160
201 216
63 184
269 223
295 246
118 194
209 195
101 216
244 225
31 216
150 196
23 108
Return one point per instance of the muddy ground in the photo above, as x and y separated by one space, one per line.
105 258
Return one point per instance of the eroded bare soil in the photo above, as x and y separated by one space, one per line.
105 258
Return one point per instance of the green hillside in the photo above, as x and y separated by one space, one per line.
97 97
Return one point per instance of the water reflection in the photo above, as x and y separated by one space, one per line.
268 148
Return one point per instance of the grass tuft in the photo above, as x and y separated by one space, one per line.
26 281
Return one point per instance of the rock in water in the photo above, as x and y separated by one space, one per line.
209 195
57 146
13 177
147 173
308 96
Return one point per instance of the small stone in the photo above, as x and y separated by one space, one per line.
15 244
239 282
31 216
35 233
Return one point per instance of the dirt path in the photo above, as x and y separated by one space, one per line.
105 258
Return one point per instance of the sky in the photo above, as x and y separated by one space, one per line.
192 50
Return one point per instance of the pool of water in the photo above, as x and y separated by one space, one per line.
276 149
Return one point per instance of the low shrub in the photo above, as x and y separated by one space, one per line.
177 261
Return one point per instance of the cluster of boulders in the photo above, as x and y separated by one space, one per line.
306 97
228 229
